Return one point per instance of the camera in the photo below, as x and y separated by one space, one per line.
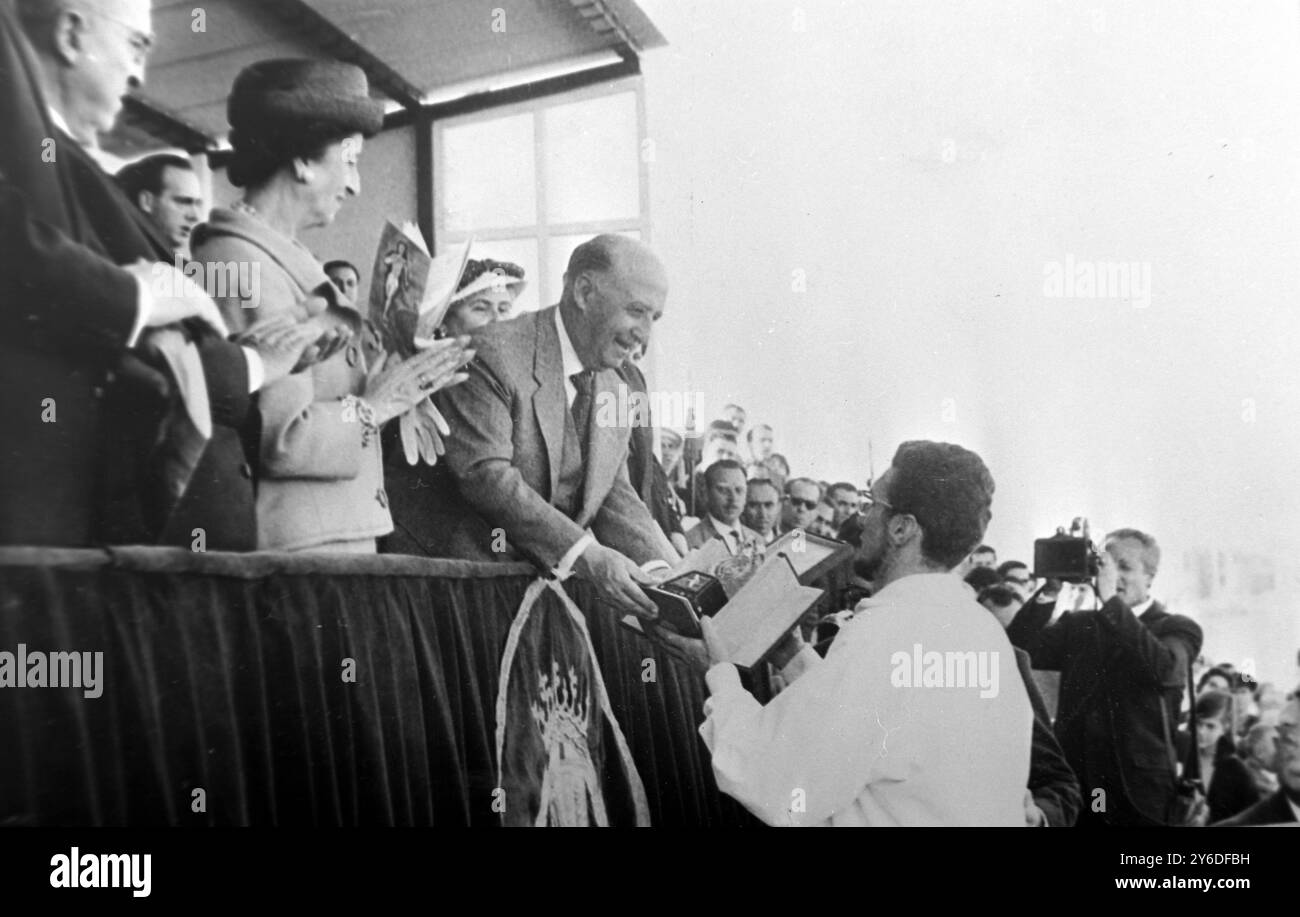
1070 557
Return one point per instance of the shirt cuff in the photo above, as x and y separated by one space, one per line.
803 660
721 677
650 566
564 569
256 371
144 306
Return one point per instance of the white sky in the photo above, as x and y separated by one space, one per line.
922 163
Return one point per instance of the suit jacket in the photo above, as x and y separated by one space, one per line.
1116 672
1231 789
1271 810
510 428
66 313
640 451
706 531
1054 787
320 478
643 469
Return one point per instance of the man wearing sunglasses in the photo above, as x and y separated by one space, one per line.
801 498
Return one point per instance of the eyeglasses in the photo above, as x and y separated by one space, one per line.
1018 580
141 42
869 500
803 504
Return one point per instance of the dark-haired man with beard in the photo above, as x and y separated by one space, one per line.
894 726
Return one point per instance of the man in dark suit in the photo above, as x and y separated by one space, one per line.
166 190
536 462
724 495
1123 669
1282 807
644 471
763 509
78 402
1053 788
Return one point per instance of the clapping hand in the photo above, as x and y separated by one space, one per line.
394 386
173 297
280 342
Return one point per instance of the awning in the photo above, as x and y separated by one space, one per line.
416 53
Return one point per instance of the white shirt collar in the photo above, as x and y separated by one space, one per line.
104 160
569 359
57 117
722 526
1295 807
726 531
919 587
1139 610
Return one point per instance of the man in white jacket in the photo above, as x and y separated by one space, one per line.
917 715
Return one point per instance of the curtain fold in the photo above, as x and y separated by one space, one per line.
225 700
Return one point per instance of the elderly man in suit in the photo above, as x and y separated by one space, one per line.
536 462
1123 669
80 286
724 491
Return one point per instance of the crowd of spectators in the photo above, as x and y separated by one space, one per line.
265 420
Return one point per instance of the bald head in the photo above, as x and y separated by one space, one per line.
92 54
615 290
612 253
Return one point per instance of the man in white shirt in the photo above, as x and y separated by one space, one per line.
917 715
724 490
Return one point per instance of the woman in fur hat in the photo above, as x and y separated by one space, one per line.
297 128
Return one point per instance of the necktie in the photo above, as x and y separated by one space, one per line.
584 382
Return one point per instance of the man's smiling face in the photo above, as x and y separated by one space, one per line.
619 307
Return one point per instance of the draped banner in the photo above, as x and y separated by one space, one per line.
563 759
314 690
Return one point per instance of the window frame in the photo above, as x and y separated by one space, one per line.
541 230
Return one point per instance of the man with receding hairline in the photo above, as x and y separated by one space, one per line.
532 457
85 278
1123 671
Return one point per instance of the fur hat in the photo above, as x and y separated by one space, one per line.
272 97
